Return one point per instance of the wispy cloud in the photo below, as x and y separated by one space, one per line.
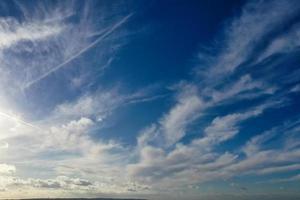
188 107
278 169
185 162
226 80
48 37
184 146
81 51
12 32
18 120
293 178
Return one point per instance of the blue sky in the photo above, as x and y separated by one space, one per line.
150 99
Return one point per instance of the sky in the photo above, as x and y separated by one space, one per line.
150 99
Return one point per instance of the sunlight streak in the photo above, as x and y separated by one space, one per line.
14 118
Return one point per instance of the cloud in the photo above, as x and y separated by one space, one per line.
70 136
17 119
244 88
100 104
7 169
284 43
230 90
229 79
97 105
68 144
296 88
289 131
186 110
54 35
199 156
72 57
263 157
12 32
59 183
4 145
293 178
260 18
278 169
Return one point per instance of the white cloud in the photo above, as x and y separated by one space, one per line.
256 21
7 169
70 136
283 43
186 110
198 161
97 105
4 145
265 159
197 157
253 146
243 88
100 104
47 37
81 51
63 141
148 135
278 169
296 88
12 32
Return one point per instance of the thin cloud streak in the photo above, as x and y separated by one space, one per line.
110 31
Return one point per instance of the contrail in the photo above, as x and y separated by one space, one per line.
112 29
7 116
